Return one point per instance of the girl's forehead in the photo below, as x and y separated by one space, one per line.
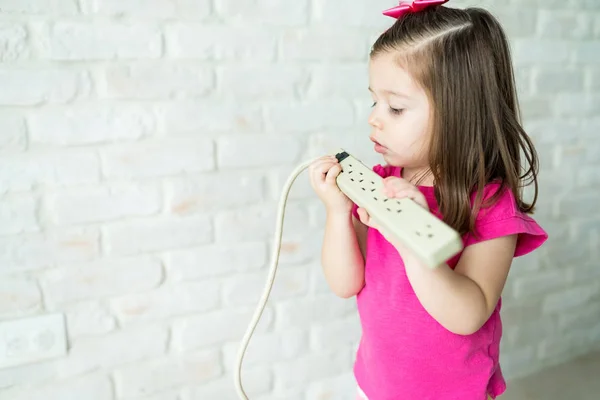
385 74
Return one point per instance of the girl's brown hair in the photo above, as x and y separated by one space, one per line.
462 60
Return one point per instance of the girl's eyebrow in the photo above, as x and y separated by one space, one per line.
397 94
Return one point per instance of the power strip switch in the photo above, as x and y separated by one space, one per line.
431 239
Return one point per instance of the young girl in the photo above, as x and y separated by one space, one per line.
445 119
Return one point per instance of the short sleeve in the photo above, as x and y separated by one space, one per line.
384 172
504 218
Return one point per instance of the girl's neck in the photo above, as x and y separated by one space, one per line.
420 176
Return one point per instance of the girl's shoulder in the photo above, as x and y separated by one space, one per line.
503 217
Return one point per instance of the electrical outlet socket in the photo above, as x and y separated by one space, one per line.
432 240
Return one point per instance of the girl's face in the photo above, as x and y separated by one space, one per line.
400 116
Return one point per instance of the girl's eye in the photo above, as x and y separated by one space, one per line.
374 104
396 110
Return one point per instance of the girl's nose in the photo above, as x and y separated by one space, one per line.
374 121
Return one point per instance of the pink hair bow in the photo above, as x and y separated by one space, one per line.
410 7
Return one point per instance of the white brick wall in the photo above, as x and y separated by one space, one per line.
143 147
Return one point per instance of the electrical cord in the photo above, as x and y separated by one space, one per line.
270 279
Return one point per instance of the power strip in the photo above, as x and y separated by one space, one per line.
432 240
429 237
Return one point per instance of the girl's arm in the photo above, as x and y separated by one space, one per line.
463 299
342 255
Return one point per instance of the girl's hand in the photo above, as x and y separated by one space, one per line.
398 188
322 174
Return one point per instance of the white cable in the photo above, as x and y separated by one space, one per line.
271 278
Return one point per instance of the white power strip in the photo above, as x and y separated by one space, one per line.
429 237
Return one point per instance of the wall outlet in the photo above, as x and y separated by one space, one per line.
432 240
29 340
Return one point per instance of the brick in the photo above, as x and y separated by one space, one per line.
322 143
217 327
206 117
585 317
29 251
265 349
310 367
532 330
284 394
100 41
236 151
166 301
309 116
518 23
571 298
318 284
539 284
154 235
114 349
524 80
341 386
148 8
300 189
13 42
13 134
151 377
157 158
155 81
589 176
103 203
323 44
100 279
90 387
357 14
258 82
593 79
30 87
88 318
551 131
580 204
312 310
220 42
246 288
338 80
18 215
26 375
299 247
535 107
575 105
528 51
215 260
89 124
263 12
256 381
211 192
251 223
572 344
518 362
20 296
562 24
551 81
48 7
169 395
587 52
57 169
340 334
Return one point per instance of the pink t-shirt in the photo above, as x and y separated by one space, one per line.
404 354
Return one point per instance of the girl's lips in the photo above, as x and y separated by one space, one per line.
379 148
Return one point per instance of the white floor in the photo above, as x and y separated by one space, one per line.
575 380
